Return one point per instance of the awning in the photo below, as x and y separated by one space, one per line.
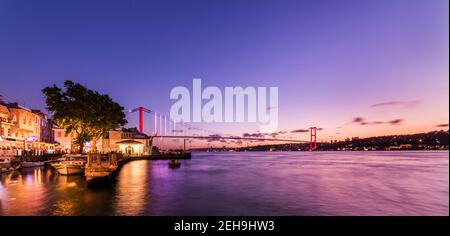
130 141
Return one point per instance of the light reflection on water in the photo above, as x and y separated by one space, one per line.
251 183
130 197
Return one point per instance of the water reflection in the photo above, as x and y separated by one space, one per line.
131 192
280 183
39 191
24 190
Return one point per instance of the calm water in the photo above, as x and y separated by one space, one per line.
282 183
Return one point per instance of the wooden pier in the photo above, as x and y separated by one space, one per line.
97 168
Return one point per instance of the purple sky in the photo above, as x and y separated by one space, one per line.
383 61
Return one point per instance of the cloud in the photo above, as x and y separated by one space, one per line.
300 131
371 123
396 103
442 125
254 135
396 122
358 120
305 130
277 133
362 121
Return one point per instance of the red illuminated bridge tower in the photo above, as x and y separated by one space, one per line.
313 139
141 116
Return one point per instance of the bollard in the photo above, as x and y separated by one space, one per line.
98 160
89 160
112 159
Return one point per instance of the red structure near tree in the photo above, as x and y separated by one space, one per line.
141 116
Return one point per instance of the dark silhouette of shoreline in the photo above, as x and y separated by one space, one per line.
435 140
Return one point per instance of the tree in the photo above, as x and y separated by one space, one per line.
86 114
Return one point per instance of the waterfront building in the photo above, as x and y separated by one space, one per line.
46 134
21 130
63 139
8 146
129 142
6 123
26 123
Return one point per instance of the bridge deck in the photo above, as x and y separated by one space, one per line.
230 137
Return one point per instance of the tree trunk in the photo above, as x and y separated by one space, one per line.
81 147
94 145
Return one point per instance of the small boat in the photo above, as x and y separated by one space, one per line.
30 164
73 157
69 167
174 163
70 164
5 164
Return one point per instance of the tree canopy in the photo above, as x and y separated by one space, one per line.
82 112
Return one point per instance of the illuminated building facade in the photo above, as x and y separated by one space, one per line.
21 129
128 142
64 140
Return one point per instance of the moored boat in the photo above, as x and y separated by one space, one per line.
174 163
5 164
30 164
70 164
69 167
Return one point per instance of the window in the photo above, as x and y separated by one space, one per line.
59 134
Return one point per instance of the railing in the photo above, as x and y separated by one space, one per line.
96 161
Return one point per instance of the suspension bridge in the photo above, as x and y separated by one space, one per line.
165 128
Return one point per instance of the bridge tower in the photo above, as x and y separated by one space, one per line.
141 111
313 139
